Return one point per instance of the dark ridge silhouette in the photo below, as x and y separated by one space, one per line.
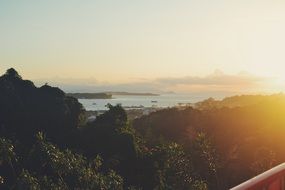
26 109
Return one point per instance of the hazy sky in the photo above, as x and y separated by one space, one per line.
176 42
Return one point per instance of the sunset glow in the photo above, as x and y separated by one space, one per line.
119 42
142 95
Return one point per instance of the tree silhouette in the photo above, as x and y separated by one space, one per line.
12 73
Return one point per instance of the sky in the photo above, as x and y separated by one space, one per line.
149 45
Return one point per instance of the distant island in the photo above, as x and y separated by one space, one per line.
107 95
132 93
90 95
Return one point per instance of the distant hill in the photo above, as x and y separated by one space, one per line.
90 95
132 93
237 101
107 95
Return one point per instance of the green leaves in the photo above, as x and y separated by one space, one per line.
56 169
74 169
27 181
7 153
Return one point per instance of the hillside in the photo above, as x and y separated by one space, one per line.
45 143
245 133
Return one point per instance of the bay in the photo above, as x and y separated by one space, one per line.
135 102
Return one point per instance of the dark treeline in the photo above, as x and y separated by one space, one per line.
46 144
244 134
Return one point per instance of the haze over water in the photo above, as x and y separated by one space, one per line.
162 101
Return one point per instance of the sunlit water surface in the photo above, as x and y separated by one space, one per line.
162 101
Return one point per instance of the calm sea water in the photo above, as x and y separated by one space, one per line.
161 101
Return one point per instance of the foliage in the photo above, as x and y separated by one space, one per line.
205 153
264 160
7 153
229 141
26 109
55 169
215 144
27 181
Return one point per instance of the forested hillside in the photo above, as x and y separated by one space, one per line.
45 143
244 135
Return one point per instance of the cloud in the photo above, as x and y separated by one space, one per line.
67 81
218 78
215 82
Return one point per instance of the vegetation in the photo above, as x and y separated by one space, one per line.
239 136
45 143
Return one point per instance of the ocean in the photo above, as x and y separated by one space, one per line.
134 102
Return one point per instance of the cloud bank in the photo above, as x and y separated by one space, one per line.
215 82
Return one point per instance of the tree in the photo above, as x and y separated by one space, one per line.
7 161
48 167
12 73
26 109
206 160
